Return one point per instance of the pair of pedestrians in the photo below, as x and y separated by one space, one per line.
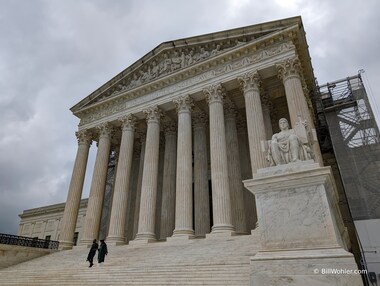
102 252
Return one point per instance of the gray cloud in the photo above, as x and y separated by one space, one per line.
54 53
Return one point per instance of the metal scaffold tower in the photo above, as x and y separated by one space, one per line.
348 127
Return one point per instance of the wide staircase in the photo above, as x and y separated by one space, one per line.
207 261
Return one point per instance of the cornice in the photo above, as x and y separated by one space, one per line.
255 45
256 31
234 64
56 208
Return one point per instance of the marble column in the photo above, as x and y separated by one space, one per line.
147 213
70 214
290 71
169 178
139 185
246 173
234 171
116 233
221 202
98 184
129 226
267 116
184 174
255 120
201 190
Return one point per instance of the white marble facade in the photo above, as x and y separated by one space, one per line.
46 222
189 120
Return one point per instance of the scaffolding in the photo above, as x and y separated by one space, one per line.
348 127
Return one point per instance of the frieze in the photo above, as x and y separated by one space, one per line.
175 60
120 104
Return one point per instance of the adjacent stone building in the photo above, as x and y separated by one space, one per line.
45 222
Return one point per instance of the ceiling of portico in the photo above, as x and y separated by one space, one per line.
181 57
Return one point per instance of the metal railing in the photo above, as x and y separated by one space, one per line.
28 241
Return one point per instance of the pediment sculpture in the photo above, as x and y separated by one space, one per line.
175 60
291 145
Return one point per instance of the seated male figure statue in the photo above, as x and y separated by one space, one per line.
286 147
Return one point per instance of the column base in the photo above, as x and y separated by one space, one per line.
220 228
142 238
183 232
86 242
65 245
180 238
113 240
318 267
223 234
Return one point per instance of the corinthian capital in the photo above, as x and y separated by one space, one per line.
183 103
105 129
290 67
84 137
153 114
250 81
214 93
128 122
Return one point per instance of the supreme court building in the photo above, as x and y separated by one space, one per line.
188 122
205 136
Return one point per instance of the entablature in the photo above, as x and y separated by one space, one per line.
192 82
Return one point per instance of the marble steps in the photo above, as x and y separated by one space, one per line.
222 261
190 275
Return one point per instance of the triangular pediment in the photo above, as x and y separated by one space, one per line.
174 56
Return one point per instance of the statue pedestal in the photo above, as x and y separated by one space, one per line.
302 235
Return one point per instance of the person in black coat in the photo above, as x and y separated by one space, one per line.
103 251
91 254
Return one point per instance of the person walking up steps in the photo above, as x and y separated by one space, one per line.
103 251
91 254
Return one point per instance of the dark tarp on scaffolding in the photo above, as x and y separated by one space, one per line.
355 139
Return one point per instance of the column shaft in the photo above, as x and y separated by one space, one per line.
132 193
147 213
139 186
74 195
169 182
234 172
201 190
290 72
95 200
116 232
266 106
246 173
184 174
255 120
219 169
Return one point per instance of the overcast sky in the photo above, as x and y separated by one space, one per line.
54 53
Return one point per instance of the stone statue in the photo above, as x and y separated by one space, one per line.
135 81
216 50
165 65
176 61
286 146
190 58
203 54
154 71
